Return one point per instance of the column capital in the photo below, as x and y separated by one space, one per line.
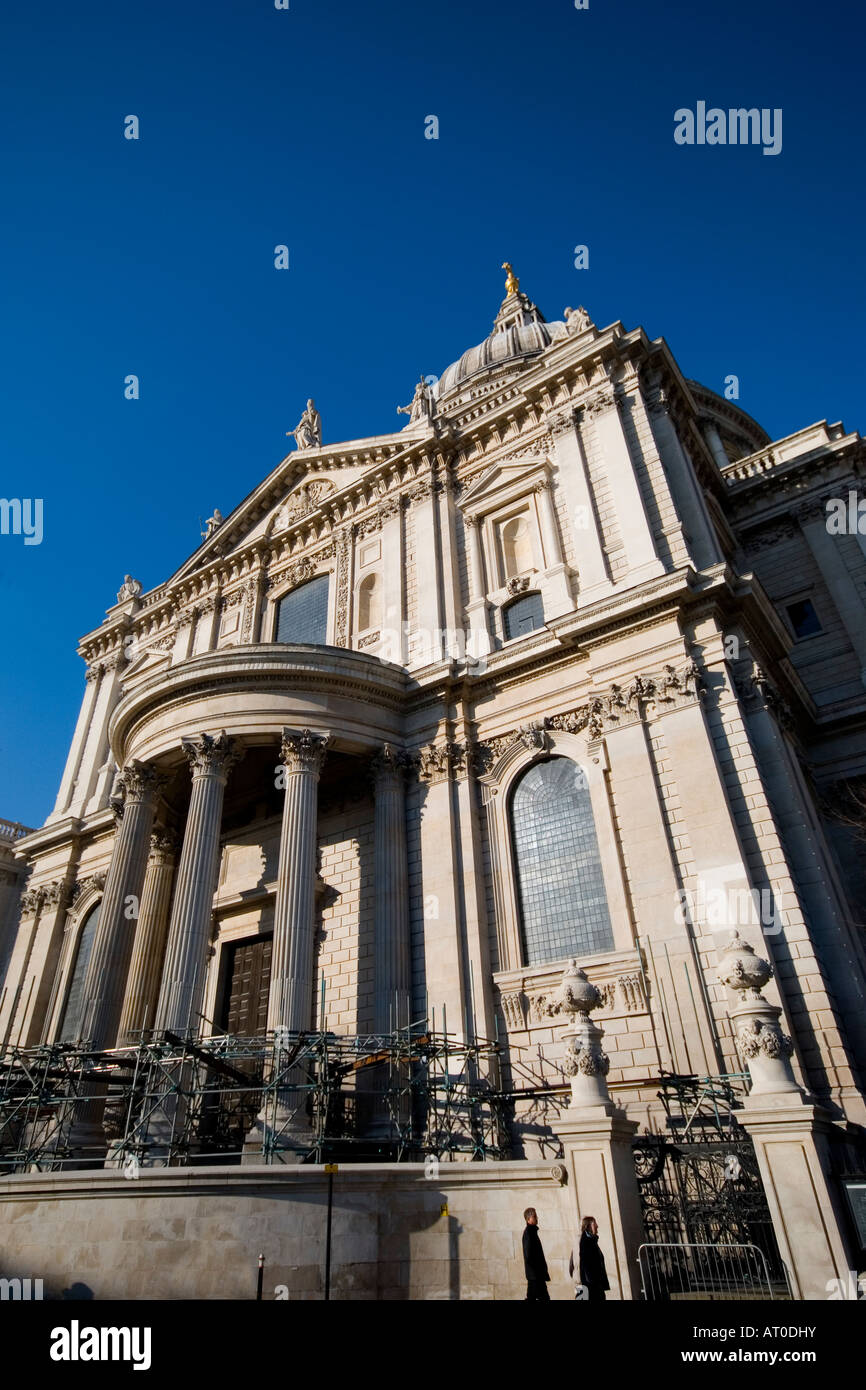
390 764
211 755
601 400
140 781
164 845
303 751
560 421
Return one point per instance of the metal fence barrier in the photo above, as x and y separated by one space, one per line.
708 1272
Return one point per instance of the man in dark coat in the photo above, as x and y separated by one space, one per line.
534 1263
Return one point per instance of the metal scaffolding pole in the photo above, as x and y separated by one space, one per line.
173 1099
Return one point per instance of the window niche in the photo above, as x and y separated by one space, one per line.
369 602
516 548
70 1026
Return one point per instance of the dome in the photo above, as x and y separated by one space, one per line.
519 330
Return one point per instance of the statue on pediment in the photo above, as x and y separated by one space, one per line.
308 431
130 588
213 523
420 406
577 320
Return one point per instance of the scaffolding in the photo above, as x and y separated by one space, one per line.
283 1097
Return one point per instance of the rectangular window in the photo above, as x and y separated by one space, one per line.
302 615
803 618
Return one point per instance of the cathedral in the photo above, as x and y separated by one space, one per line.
543 705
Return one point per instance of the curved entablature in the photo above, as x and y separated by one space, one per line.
254 692
729 417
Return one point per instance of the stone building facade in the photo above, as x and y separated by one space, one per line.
570 666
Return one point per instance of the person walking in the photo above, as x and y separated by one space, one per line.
534 1263
590 1263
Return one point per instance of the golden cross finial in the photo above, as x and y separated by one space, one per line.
512 284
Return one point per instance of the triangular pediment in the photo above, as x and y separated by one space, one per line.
298 487
151 661
504 478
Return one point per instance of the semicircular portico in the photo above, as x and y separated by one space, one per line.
254 693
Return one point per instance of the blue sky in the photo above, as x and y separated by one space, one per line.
306 127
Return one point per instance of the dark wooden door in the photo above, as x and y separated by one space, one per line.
245 1010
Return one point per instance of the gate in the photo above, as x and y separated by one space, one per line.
702 1199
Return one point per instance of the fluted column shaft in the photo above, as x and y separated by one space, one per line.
211 759
476 567
391 957
148 952
549 533
290 1001
107 972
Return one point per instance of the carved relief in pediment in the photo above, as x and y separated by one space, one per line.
300 503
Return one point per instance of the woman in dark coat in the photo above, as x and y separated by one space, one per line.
593 1275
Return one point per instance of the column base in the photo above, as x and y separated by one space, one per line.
277 1139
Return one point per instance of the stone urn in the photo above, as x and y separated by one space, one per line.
585 1062
742 969
764 1048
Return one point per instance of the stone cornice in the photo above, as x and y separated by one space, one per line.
380 1179
795 499
768 470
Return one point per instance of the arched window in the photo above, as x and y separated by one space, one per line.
369 602
70 1028
517 546
525 614
563 903
302 615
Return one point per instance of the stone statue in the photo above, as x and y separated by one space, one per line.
130 588
512 284
308 432
419 408
213 523
577 320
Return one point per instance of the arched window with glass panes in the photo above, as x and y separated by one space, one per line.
70 1027
302 614
560 885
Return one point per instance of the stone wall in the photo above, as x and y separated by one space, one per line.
186 1233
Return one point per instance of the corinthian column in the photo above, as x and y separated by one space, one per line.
549 534
211 759
148 952
476 609
392 977
105 981
290 1001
